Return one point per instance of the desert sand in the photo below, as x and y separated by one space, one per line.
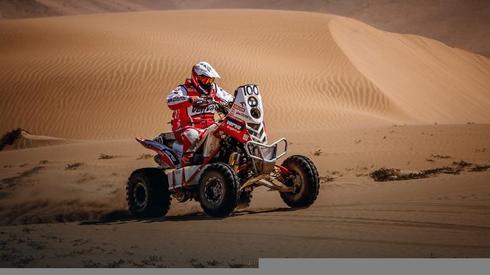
458 23
351 97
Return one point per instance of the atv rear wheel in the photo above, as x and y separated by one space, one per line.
219 190
304 180
147 193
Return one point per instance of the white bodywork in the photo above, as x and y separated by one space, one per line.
182 176
248 102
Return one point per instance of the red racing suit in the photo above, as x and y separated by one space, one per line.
189 122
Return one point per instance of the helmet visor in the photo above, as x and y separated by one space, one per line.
205 80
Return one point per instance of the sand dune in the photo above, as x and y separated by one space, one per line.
448 21
349 96
431 81
97 77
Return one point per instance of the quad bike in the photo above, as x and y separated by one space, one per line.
232 159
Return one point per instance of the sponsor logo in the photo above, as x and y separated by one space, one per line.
234 125
204 110
177 98
242 115
239 108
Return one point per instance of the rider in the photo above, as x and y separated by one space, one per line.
192 113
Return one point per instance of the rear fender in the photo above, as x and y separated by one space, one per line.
166 154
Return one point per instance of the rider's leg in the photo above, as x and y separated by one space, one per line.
190 139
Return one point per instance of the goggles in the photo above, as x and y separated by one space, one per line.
205 80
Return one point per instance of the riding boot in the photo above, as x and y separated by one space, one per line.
188 155
186 159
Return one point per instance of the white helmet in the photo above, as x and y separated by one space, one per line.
205 69
203 75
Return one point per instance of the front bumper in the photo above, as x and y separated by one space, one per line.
266 152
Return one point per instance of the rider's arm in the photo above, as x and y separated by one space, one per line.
178 99
224 95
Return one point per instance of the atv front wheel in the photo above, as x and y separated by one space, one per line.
304 180
219 190
147 193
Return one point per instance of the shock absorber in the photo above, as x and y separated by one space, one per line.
233 161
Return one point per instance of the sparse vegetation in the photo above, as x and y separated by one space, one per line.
390 174
325 179
480 168
152 260
10 137
145 156
196 264
317 152
73 166
437 156
212 263
461 163
105 156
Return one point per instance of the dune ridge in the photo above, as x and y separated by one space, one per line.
447 21
429 79
97 77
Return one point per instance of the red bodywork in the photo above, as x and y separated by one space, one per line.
234 128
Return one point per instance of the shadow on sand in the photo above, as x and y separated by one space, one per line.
121 217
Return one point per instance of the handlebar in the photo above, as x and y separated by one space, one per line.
222 106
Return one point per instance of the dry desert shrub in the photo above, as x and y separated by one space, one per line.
437 156
480 168
145 156
391 174
10 137
105 156
73 166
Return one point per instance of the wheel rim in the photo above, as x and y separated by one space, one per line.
296 181
214 191
140 194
